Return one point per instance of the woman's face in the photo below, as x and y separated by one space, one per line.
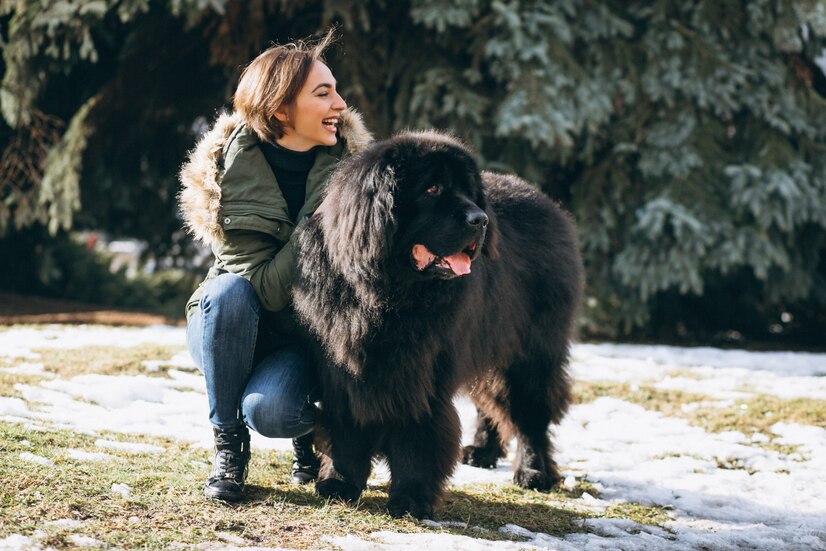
316 113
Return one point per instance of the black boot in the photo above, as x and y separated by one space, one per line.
306 463
229 468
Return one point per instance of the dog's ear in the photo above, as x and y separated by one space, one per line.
490 248
357 214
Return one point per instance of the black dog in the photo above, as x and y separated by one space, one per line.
421 276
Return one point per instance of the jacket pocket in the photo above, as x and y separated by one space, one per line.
236 220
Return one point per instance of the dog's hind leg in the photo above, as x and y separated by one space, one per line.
538 396
422 456
487 446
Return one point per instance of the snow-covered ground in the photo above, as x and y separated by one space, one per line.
770 500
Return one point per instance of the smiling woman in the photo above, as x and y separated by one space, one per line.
320 107
291 99
247 183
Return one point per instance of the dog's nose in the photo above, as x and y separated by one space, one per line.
476 217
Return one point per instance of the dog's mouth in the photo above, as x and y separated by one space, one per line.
457 264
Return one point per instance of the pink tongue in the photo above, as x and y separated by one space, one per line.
459 263
422 256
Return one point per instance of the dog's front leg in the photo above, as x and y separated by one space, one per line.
345 466
422 456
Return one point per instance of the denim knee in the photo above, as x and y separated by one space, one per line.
277 420
226 294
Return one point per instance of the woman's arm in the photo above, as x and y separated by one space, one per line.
267 263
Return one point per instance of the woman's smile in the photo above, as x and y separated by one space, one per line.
315 116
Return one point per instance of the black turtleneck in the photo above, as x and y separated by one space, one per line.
291 169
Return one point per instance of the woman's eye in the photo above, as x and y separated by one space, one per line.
434 190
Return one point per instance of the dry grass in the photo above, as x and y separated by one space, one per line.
166 506
166 509
105 360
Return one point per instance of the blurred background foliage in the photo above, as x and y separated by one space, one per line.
687 138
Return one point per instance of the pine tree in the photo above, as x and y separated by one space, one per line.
686 137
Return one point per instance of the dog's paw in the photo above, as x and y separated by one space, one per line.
484 458
334 488
402 504
532 479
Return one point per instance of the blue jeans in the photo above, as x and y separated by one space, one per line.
271 391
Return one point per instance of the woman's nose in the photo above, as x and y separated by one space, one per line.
340 104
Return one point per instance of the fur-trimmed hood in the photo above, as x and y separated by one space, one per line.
200 198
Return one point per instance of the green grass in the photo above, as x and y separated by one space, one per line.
640 513
166 506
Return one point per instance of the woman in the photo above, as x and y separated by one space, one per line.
256 174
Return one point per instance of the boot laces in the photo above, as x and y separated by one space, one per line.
232 454
303 453
229 464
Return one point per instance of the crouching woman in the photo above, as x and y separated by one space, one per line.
253 176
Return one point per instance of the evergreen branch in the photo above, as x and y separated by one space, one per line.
22 165
698 41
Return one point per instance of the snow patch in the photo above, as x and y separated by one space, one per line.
20 341
720 491
84 541
81 455
121 489
28 369
17 542
40 460
181 360
129 447
380 541
65 523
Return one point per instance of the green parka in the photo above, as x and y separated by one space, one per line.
231 202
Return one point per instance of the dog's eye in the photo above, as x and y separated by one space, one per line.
434 190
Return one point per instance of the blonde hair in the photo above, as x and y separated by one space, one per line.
273 80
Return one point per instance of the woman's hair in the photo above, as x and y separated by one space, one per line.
273 80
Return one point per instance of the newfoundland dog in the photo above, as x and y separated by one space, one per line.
420 276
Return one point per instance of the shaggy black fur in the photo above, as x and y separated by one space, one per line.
400 341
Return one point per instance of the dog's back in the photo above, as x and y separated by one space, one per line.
525 386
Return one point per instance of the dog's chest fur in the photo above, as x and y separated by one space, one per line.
404 367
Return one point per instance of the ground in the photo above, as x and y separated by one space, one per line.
15 309
105 443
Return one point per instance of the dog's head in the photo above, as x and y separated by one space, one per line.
412 207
